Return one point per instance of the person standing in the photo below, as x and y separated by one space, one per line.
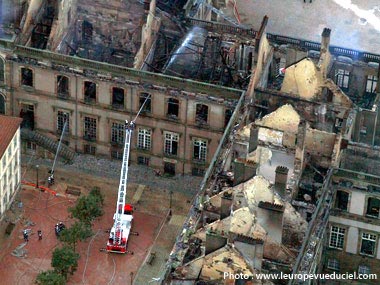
39 235
26 236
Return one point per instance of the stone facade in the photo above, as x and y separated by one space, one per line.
10 166
179 133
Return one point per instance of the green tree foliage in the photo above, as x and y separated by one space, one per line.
65 261
77 232
50 277
97 193
87 208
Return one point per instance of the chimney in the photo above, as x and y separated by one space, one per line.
225 208
243 170
325 44
325 57
253 138
214 241
146 5
281 180
271 217
251 249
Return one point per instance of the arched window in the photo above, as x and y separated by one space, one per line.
2 70
2 104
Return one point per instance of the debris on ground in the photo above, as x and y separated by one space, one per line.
20 251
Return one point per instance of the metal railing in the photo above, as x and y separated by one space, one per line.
335 50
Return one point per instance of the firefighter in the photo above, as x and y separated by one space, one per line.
61 226
56 228
26 236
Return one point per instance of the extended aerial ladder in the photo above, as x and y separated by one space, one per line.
119 233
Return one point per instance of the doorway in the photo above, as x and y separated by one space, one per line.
27 115
169 169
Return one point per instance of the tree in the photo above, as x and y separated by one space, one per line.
95 191
77 232
50 277
86 209
65 261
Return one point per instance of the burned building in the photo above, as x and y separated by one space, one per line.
310 130
276 124
79 71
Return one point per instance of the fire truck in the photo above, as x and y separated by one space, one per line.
123 217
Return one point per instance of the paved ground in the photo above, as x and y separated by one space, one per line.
355 23
95 267
138 174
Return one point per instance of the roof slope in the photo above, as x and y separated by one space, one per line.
284 119
8 128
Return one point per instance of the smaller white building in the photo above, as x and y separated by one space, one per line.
10 164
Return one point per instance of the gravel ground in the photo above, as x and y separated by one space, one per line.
138 174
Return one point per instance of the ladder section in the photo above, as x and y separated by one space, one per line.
124 172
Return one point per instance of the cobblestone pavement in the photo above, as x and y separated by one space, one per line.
138 174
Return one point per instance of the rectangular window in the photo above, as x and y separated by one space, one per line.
63 117
118 98
342 78
371 84
171 143
144 138
173 108
333 264
26 77
15 142
199 149
341 201
89 92
196 171
337 237
31 146
143 160
373 207
2 69
145 97
201 114
117 133
89 128
363 269
368 244
89 149
227 116
62 86
117 154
